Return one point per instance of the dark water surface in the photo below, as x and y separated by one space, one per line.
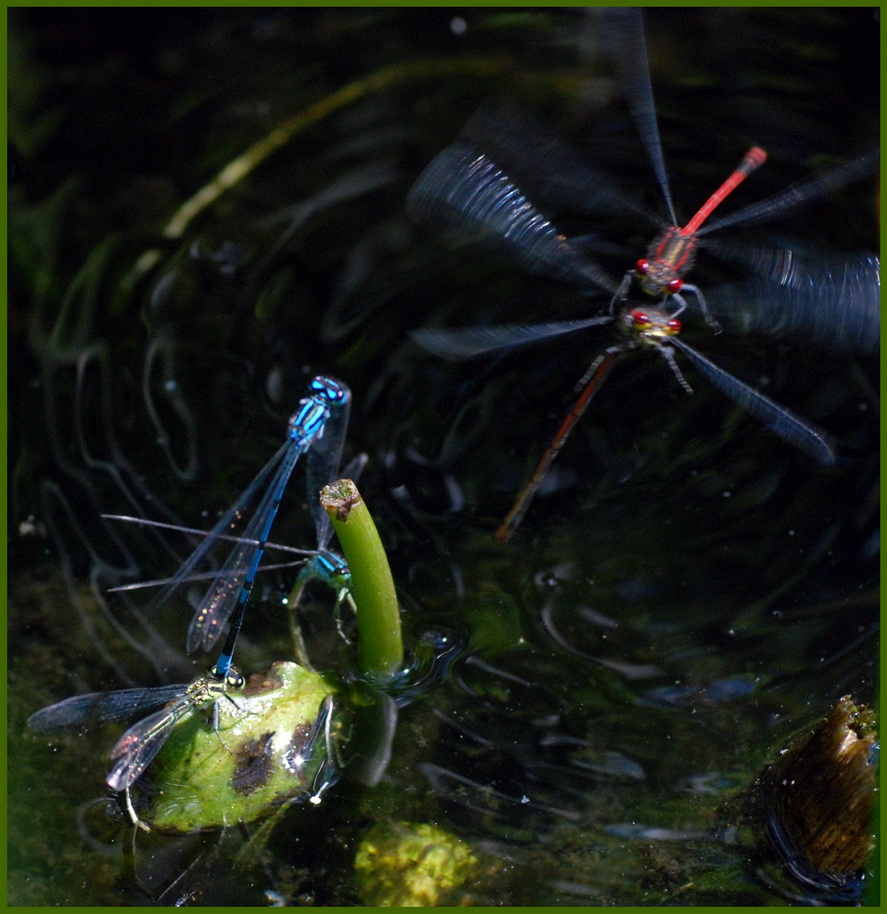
688 592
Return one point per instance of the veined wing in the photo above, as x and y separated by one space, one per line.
322 467
781 421
467 342
187 569
464 190
798 193
137 748
97 708
219 601
547 169
624 39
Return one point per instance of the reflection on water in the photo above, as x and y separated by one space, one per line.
686 593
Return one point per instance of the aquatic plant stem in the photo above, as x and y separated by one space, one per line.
380 643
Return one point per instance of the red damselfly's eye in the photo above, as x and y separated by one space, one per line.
643 267
674 325
675 285
639 319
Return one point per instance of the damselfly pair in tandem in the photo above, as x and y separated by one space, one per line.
317 428
466 189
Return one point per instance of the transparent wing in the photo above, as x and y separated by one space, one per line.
222 596
136 749
309 555
833 301
96 708
467 342
624 40
195 531
781 421
796 194
543 165
322 466
465 191
186 570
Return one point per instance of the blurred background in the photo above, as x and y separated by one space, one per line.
686 593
